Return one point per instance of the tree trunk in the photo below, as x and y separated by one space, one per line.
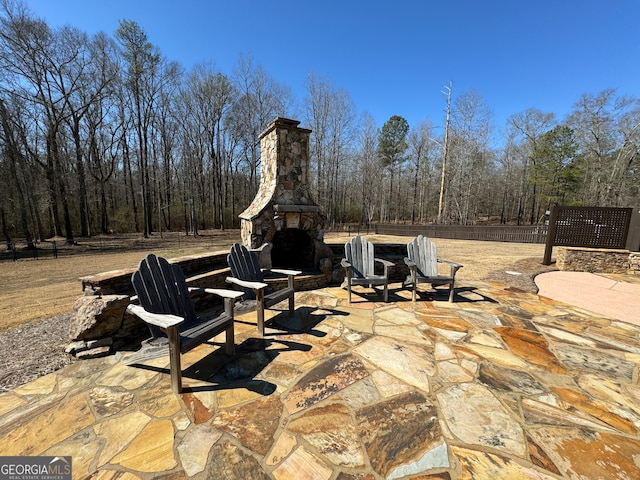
5 231
13 155
85 230
50 173
132 190
62 190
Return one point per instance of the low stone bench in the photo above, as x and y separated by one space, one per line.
118 282
100 325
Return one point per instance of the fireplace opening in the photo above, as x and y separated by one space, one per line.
293 248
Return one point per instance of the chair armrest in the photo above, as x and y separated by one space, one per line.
413 267
454 266
162 320
386 263
246 284
220 292
345 263
410 263
286 272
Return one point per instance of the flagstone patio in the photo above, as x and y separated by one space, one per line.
501 384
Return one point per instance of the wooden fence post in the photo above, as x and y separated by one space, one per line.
633 237
551 236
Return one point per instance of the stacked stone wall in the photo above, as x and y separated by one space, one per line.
594 260
634 263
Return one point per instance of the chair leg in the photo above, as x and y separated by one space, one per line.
260 311
414 285
451 292
291 305
292 297
349 289
230 345
386 293
174 359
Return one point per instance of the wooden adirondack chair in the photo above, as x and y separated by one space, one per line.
422 260
359 263
166 306
247 276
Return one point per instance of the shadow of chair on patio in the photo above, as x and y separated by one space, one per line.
216 371
398 293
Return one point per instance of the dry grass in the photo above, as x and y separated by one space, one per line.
480 259
38 289
43 288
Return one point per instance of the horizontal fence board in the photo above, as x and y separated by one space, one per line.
19 251
497 233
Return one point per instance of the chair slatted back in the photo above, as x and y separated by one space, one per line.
360 254
161 288
423 252
244 266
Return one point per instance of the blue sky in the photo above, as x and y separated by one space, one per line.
395 57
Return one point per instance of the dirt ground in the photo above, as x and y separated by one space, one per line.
36 296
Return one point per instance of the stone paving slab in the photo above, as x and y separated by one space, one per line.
501 384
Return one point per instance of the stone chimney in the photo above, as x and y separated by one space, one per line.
283 212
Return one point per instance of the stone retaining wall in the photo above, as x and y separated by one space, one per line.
634 263
595 260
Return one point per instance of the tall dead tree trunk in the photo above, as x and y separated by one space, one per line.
444 153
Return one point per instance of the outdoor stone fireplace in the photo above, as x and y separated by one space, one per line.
282 211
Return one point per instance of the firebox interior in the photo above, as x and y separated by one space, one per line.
293 248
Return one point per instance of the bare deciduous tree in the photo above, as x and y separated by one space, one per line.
470 156
605 126
421 148
98 138
331 114
525 130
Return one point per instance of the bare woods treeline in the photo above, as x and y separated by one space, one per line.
103 133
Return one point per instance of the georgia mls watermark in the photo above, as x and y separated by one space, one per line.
35 468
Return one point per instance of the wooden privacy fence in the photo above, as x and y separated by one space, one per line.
497 233
592 227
